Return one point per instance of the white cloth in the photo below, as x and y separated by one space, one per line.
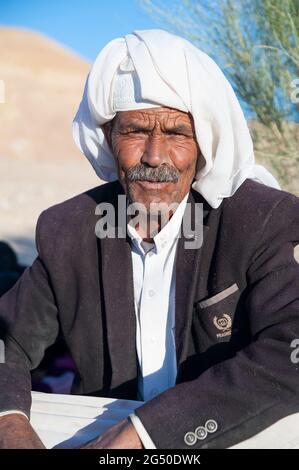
154 295
174 73
68 421
126 89
139 428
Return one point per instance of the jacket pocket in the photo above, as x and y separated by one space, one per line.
219 297
214 318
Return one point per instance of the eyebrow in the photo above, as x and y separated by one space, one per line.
179 129
132 127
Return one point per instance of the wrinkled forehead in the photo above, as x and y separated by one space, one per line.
162 115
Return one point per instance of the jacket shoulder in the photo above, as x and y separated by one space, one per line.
256 200
74 218
256 213
82 205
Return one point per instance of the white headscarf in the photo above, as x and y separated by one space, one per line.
173 73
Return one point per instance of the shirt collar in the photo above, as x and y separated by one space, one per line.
166 236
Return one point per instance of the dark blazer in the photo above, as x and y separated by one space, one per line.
237 311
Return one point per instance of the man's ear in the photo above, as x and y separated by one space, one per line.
107 129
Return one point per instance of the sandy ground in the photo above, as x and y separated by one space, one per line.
27 188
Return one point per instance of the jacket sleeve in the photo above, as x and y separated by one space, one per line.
243 395
28 325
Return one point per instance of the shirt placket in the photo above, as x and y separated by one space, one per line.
152 325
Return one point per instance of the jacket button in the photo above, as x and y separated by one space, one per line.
190 438
211 425
201 433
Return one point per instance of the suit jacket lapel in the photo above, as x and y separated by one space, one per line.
117 278
188 279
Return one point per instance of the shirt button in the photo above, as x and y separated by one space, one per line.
190 438
211 425
201 433
151 292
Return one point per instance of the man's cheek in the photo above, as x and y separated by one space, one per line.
130 157
181 159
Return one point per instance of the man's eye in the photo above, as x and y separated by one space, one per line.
175 133
139 131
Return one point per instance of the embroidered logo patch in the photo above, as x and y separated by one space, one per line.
296 253
223 323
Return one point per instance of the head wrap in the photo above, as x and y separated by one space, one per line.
155 68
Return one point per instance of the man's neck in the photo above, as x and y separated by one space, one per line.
150 224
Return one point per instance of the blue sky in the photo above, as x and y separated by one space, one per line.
84 26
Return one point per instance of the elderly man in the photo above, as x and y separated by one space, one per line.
201 333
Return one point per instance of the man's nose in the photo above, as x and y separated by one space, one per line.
155 152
